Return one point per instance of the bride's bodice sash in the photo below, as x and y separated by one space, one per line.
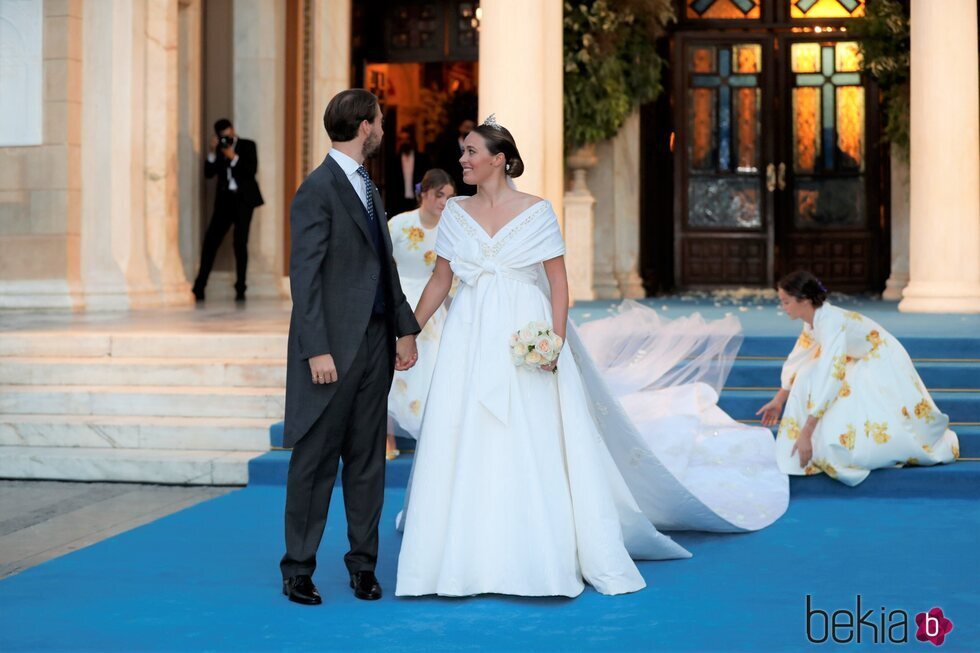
485 301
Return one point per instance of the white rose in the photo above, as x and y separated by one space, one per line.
514 340
543 347
525 335
533 358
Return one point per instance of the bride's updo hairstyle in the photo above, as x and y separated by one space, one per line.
498 141
803 285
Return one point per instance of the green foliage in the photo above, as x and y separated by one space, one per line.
611 64
885 47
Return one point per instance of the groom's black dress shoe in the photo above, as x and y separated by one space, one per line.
365 585
300 589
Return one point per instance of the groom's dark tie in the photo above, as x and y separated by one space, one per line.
369 191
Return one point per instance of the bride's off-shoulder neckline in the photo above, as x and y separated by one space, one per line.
455 202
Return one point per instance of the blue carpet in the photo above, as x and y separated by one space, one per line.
207 579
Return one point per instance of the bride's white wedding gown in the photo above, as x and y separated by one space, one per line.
529 483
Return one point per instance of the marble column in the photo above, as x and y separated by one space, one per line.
580 227
190 143
626 190
944 252
115 271
330 67
259 114
160 153
521 82
899 277
602 184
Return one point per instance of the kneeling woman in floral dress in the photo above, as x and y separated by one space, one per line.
853 400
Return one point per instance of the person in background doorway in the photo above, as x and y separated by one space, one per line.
450 150
404 172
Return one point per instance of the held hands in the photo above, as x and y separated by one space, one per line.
406 353
323 369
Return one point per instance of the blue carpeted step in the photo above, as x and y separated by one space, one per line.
747 373
958 480
918 347
960 406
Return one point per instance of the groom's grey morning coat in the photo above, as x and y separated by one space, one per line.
333 271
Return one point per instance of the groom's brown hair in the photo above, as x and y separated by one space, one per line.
346 111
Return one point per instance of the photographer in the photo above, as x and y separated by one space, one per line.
234 161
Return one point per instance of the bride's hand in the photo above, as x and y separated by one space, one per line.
550 367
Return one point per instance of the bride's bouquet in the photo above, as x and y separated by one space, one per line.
535 345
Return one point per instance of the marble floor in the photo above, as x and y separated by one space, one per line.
42 520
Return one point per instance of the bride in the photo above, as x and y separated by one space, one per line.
533 481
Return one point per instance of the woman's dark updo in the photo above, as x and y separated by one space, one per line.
803 285
499 140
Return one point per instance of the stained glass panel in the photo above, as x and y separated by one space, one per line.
826 8
850 127
724 203
748 58
723 9
747 132
806 129
829 203
848 57
701 129
806 57
828 107
702 59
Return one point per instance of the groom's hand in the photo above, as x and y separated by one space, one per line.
323 369
406 353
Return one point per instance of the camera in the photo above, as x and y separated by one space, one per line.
225 141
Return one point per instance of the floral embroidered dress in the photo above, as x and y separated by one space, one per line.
872 407
413 247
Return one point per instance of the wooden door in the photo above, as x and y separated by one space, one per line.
724 174
827 218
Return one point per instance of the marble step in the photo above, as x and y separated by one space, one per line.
162 344
165 466
135 432
142 400
143 371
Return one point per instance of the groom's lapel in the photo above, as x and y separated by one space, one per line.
349 198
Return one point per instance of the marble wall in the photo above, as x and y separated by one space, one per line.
40 184
21 72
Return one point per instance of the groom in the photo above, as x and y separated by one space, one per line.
348 310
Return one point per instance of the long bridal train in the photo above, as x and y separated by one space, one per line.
653 385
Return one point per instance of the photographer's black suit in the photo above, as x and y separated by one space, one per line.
237 196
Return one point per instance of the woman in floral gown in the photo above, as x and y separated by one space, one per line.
853 400
413 240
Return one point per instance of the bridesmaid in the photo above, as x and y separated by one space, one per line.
413 240
853 399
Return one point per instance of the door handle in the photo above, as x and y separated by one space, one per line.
782 176
770 177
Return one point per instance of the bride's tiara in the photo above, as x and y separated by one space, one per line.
491 121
